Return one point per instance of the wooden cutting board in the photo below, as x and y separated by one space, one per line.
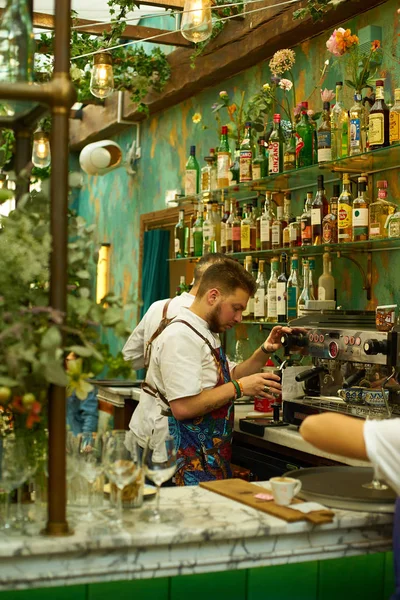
245 492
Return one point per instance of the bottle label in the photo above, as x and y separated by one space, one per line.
208 232
299 144
292 297
223 234
355 133
271 306
259 303
246 158
306 232
321 293
256 171
191 182
327 233
376 131
324 146
228 233
374 230
292 233
177 246
236 234
360 217
213 179
265 230
276 235
273 157
315 216
286 236
245 237
281 298
249 310
394 127
191 241
344 216
289 160
223 166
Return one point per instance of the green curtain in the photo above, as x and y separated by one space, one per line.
155 278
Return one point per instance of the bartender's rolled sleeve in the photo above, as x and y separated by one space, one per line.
382 443
180 361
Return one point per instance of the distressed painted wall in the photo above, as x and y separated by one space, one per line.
115 201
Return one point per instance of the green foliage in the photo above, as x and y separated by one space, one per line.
316 9
7 144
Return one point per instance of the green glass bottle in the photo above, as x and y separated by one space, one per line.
192 175
260 162
198 231
305 139
276 146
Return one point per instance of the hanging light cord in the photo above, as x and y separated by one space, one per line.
153 37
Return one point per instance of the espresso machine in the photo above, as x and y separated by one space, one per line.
354 367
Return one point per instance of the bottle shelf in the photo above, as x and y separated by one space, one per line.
264 324
347 248
384 159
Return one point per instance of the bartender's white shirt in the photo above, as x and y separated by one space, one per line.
382 441
147 417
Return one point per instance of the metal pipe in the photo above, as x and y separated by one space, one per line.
23 155
57 523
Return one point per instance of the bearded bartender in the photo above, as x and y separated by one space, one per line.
196 384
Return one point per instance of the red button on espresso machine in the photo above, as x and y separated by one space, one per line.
333 349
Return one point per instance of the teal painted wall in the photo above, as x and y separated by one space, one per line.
115 201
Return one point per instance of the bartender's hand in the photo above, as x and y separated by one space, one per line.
261 385
273 341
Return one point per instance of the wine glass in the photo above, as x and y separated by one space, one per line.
159 463
90 466
375 483
13 469
120 465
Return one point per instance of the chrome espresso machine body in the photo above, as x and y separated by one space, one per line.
354 367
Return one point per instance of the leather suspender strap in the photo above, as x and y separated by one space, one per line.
161 326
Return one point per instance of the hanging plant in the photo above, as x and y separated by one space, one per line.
316 9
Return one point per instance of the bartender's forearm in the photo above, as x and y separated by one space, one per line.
251 365
336 434
203 403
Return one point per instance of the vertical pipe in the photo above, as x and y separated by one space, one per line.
23 154
57 523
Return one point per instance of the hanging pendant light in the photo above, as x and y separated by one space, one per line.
41 155
102 79
196 23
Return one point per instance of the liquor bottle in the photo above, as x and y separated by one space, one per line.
248 313
179 236
253 226
208 231
223 160
394 119
288 218
216 219
357 126
209 173
324 136
361 212
378 120
255 215
281 289
326 281
224 228
305 292
192 220
198 231
260 162
236 230
293 289
305 222
345 212
330 221
305 139
379 211
277 228
289 156
271 291
192 174
276 146
319 209
245 232
260 297
235 168
339 126
393 225
295 233
182 287
228 224
265 221
246 155
313 287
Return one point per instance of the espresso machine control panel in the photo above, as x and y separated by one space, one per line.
348 345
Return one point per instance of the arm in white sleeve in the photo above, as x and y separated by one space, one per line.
382 442
134 347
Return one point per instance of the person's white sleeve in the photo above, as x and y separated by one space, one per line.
180 361
382 443
134 347
231 366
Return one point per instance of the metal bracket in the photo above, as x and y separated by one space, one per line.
122 121
366 275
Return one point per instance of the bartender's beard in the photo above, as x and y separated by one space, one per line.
214 320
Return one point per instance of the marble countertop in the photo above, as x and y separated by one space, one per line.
290 437
208 533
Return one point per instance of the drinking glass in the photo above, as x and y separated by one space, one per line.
159 465
375 483
13 469
120 465
90 466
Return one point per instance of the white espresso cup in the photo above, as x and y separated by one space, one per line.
284 489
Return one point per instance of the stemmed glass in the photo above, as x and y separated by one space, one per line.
375 483
120 465
159 463
13 469
91 466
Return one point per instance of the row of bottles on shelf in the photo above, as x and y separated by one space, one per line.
342 133
344 219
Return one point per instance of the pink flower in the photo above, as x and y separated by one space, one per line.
310 114
327 95
285 84
332 43
297 109
223 94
